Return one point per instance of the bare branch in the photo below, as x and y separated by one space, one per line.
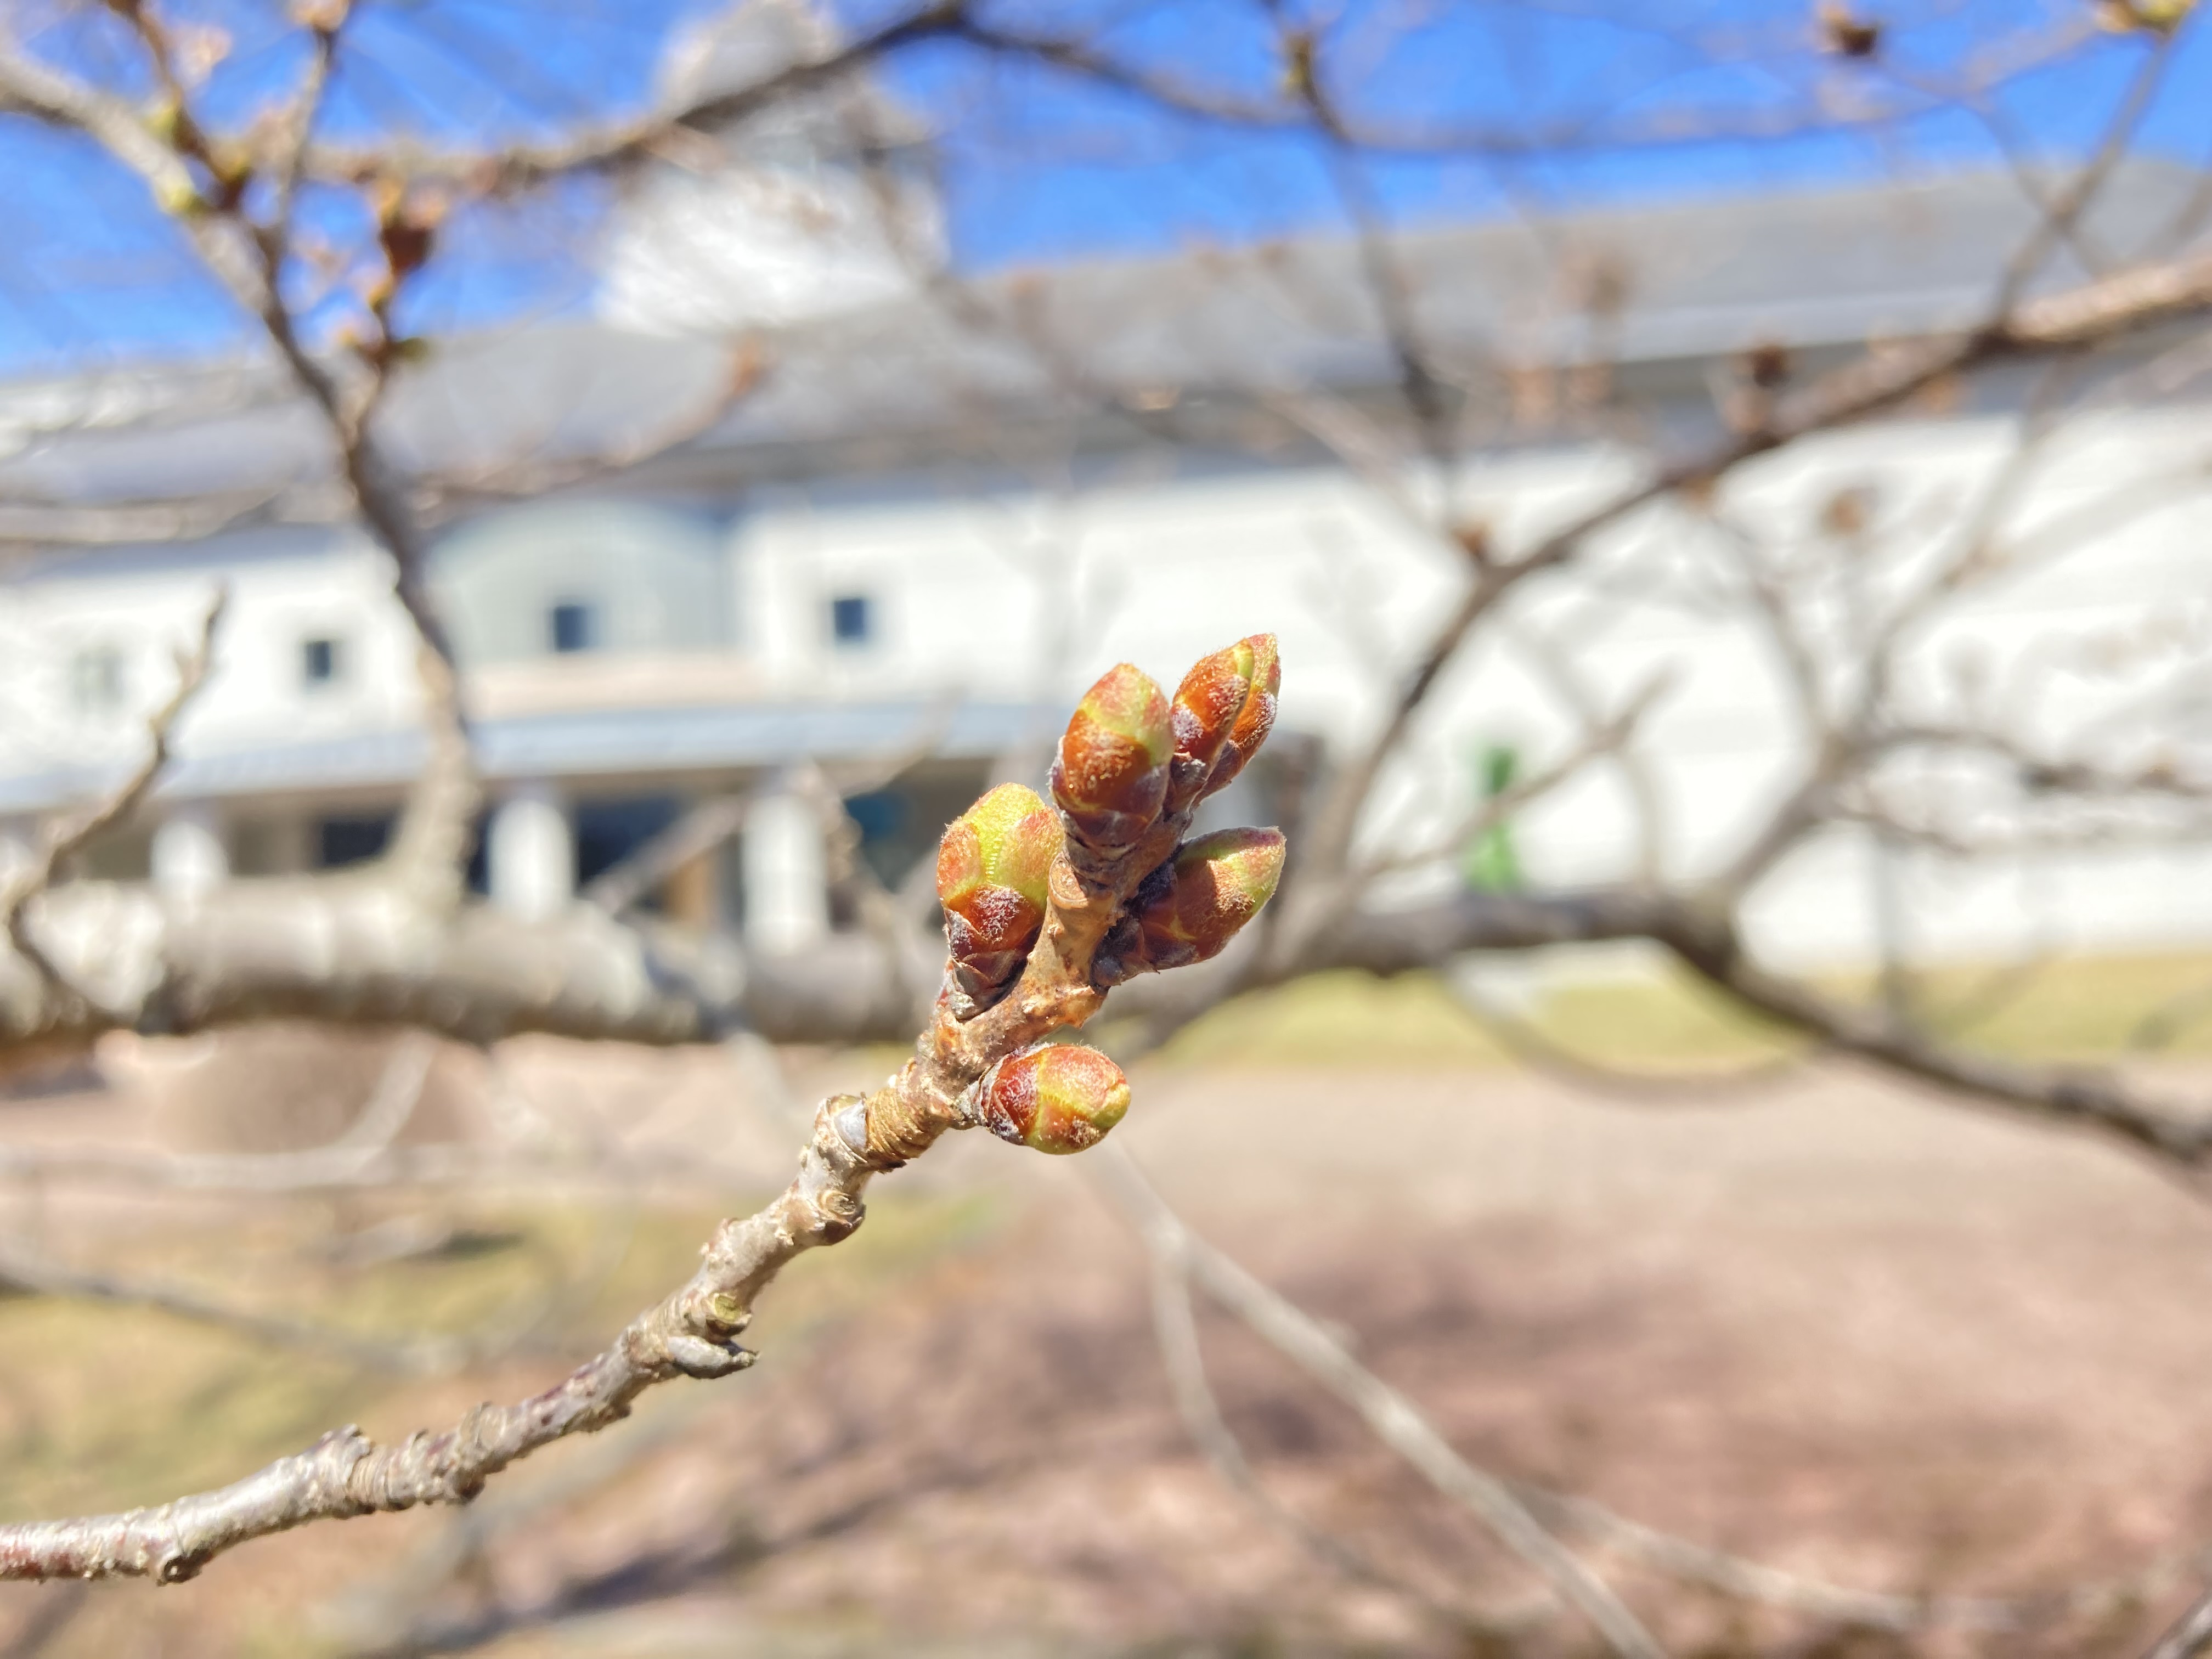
629 144
2062 218
2093 314
1608 737
1399 940
2191 1637
1388 1413
59 1605
26 1272
1178 1257
1529 1043
1753 1581
2086 1097
692 1332
33 525
1174 1327
66 836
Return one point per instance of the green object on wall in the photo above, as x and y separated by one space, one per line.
1491 863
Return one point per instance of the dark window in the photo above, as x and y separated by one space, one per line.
574 626
349 840
899 826
883 817
851 619
318 661
479 868
609 831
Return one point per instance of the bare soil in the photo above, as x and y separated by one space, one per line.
1862 1335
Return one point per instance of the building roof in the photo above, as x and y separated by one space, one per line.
1674 281
609 743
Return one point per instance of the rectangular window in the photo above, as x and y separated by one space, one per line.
572 626
341 841
851 621
319 661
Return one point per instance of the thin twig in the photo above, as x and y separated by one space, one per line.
1388 1413
66 836
1174 1327
1179 1258
2191 1636
26 1271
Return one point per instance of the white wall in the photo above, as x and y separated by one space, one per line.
256 695
1017 593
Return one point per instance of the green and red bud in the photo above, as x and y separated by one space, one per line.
1223 712
1111 776
992 868
1192 906
1059 1099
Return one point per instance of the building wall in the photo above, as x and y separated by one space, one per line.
282 589
643 581
1021 593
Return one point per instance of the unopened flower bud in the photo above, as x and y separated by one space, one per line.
1222 711
1060 1099
1192 906
1111 776
992 868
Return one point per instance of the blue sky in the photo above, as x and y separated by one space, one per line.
1596 99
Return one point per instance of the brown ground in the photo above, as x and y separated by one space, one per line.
1894 1344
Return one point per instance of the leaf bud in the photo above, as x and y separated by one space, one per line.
992 868
1058 1099
1111 776
1192 906
1223 712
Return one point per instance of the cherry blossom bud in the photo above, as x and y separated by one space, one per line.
992 868
1222 711
1059 1099
1111 776
1192 906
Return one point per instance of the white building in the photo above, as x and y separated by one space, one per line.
900 535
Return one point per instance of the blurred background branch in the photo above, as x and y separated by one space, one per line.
1727 479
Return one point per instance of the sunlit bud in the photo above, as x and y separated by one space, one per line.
1112 773
1060 1099
992 866
1222 711
1192 906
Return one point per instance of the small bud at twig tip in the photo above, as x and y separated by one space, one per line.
1223 710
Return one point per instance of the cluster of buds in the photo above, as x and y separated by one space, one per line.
992 870
1110 776
1193 905
1059 1099
1132 766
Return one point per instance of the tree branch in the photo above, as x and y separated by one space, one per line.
2191 1636
629 144
65 836
1388 1413
692 1332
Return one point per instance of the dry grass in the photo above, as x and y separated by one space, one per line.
1661 1017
